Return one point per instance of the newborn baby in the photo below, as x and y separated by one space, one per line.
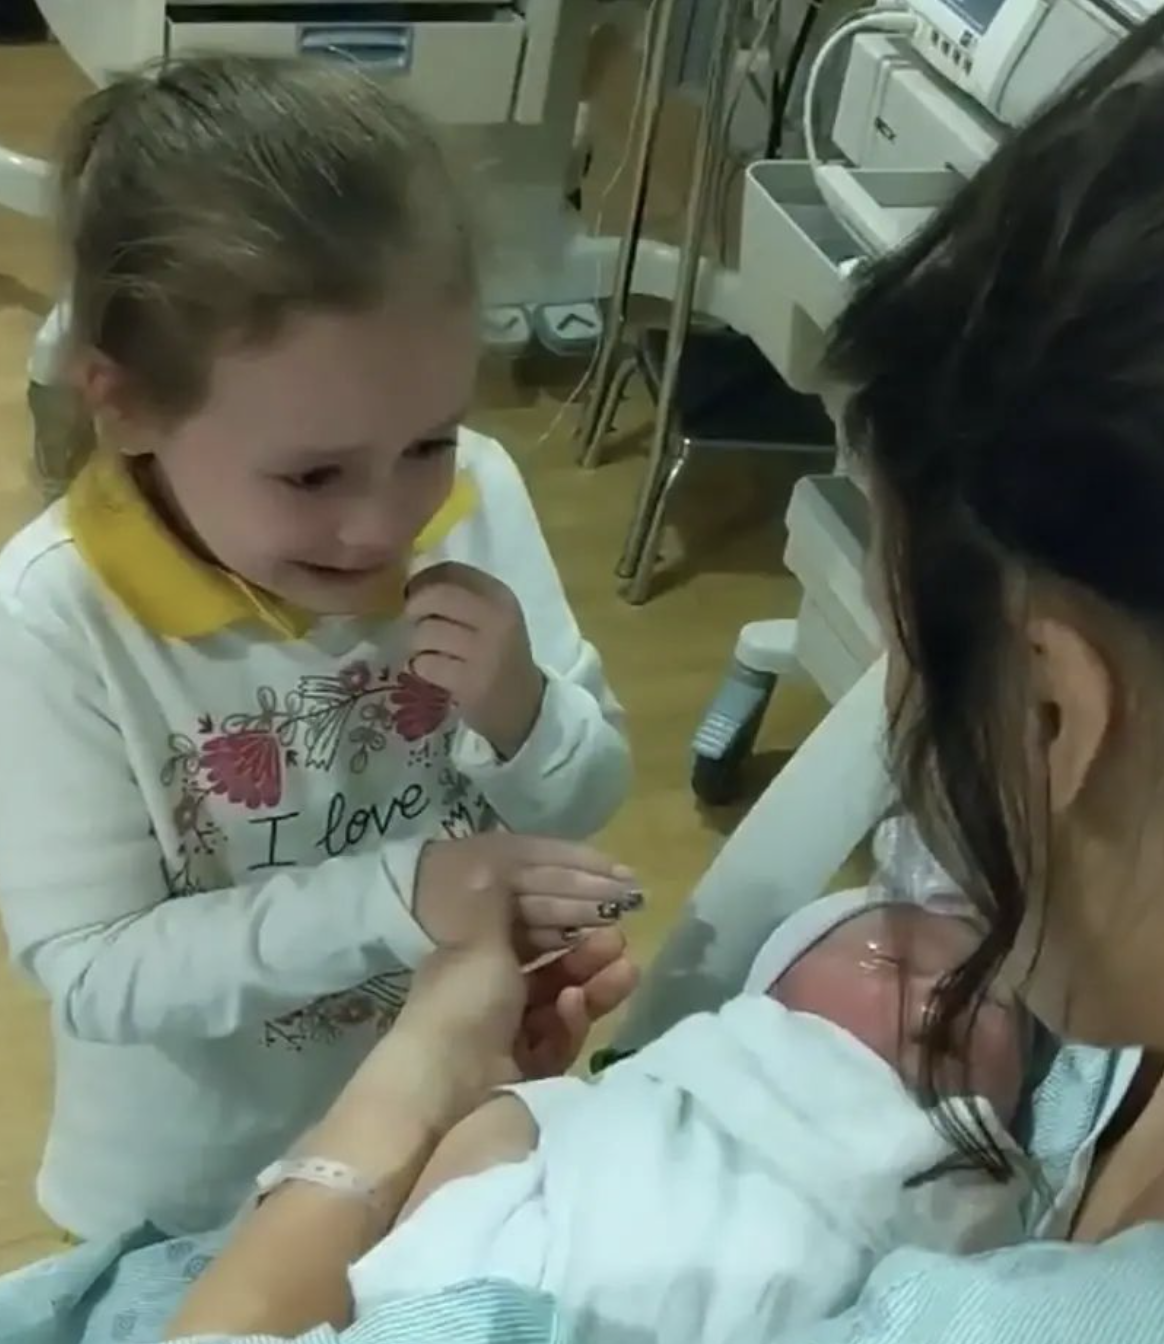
746 1171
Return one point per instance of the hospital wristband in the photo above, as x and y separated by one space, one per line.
324 1173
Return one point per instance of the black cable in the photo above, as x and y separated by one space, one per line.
783 82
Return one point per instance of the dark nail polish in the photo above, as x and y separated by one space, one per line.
611 910
571 935
634 899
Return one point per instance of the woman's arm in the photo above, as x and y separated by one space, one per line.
500 1131
285 1270
471 1016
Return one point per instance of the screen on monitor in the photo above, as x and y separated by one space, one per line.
977 14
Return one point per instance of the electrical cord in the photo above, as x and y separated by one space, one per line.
784 82
878 20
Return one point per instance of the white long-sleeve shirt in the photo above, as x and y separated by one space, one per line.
208 841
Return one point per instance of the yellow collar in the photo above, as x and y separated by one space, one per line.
167 588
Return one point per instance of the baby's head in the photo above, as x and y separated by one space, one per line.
274 313
875 974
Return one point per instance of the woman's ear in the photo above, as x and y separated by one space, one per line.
1073 700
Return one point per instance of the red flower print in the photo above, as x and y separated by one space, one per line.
246 767
420 706
356 678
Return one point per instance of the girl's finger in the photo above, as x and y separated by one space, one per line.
438 636
454 574
536 852
446 601
555 912
445 673
577 884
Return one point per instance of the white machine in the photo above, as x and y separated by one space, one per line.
927 91
1009 55
472 62
504 75
931 87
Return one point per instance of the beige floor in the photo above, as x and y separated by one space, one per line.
664 658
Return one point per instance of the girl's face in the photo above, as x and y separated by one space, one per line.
315 462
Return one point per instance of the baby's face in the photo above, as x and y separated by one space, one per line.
874 976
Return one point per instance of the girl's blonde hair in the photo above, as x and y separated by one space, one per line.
204 206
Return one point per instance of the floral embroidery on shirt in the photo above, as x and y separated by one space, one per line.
377 1002
244 767
420 706
334 722
243 759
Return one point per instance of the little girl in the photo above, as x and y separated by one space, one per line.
288 627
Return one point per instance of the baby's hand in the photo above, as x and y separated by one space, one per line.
469 637
558 890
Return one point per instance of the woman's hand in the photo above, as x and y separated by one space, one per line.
566 997
474 1021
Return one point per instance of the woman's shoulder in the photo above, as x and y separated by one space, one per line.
1042 1293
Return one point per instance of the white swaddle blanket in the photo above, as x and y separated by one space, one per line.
743 1173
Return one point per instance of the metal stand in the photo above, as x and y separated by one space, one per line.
595 418
642 542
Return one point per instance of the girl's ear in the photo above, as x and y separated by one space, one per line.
105 388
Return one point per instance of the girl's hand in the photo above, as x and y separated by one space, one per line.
469 638
556 890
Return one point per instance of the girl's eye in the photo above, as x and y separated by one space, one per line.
315 479
430 448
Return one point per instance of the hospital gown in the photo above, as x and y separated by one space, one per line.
1035 1294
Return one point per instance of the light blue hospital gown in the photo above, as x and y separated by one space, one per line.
1037 1294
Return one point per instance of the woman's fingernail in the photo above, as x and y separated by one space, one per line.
571 935
635 899
611 910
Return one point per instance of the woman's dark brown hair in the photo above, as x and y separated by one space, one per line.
1008 376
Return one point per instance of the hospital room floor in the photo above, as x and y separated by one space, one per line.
664 658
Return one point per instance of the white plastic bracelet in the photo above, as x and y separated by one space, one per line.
321 1171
